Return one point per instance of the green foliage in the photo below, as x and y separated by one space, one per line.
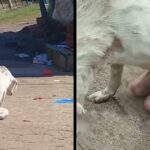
20 14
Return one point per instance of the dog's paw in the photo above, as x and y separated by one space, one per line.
3 113
80 109
100 96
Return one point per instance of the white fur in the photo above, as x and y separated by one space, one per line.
99 23
7 86
63 11
3 113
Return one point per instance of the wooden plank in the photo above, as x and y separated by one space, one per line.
62 59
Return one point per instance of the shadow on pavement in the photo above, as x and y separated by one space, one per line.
29 41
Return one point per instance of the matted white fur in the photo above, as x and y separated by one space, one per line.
99 24
7 86
3 113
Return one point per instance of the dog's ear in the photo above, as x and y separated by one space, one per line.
13 85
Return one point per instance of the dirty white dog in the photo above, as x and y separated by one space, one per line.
112 31
7 86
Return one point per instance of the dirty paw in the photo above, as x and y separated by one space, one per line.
100 96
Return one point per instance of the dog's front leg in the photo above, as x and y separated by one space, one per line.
2 97
114 83
3 111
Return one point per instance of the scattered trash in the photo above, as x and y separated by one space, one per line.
63 101
22 55
47 72
39 98
42 59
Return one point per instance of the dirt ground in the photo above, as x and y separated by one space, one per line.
119 124
38 124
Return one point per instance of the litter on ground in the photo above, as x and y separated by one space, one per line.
63 101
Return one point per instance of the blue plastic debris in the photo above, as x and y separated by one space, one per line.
63 101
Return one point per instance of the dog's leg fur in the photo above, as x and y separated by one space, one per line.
83 79
86 71
8 84
3 94
3 111
114 83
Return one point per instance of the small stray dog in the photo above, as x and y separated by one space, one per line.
112 31
7 86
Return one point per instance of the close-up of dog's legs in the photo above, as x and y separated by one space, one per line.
113 85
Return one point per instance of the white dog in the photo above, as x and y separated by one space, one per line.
114 31
7 85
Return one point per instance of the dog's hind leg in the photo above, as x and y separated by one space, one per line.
114 83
